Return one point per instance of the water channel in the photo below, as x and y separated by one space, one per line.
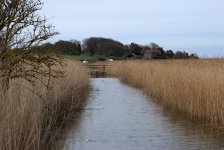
119 117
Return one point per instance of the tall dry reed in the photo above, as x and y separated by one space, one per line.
30 116
194 87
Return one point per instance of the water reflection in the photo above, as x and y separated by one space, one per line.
119 117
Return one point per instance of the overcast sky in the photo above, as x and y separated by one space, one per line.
190 25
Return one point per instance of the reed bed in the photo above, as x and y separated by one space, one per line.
30 116
194 87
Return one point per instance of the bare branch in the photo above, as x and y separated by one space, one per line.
22 30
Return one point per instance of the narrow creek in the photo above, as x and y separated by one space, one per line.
119 117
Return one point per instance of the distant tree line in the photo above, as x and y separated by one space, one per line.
104 47
109 48
63 47
157 52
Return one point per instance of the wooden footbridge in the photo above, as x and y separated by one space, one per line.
96 70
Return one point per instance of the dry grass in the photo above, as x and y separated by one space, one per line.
194 87
30 122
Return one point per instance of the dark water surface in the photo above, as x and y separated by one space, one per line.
119 117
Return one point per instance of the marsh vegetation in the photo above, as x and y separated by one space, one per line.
31 116
194 87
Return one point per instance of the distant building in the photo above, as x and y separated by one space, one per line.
151 54
147 54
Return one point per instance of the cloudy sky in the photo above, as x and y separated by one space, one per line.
190 25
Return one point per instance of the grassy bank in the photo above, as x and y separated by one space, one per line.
30 116
194 87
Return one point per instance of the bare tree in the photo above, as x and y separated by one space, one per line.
153 45
22 30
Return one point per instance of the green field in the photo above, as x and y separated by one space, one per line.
81 57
